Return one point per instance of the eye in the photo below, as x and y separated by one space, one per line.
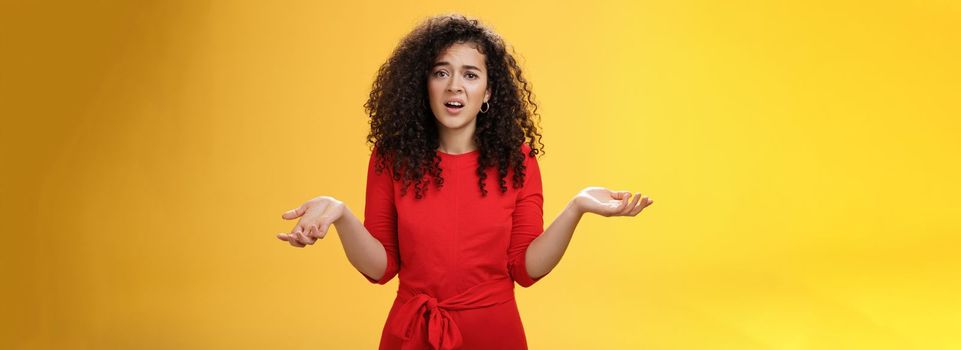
439 73
472 76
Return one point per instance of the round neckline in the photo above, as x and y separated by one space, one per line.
445 154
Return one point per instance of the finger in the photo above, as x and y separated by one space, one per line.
308 240
628 204
294 213
311 234
302 237
624 203
298 233
621 194
323 230
641 205
295 239
633 204
290 239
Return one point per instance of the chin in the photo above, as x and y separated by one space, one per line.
453 125
454 122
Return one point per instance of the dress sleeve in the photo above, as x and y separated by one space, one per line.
380 216
528 223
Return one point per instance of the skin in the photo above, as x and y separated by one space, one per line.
459 71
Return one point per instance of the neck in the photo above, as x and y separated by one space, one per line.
456 141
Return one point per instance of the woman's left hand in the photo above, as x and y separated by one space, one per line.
604 202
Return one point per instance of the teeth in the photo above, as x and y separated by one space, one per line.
455 103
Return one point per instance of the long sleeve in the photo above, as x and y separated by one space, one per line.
380 216
528 223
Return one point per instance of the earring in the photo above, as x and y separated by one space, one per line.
482 110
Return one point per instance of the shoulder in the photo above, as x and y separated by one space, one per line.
530 162
377 153
373 157
376 159
525 148
528 158
526 151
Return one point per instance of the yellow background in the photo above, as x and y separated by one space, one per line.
803 159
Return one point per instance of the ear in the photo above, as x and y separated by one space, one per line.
487 94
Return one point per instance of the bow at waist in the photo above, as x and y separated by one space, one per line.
442 331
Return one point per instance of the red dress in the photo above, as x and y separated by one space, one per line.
457 254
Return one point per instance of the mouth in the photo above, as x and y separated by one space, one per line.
454 106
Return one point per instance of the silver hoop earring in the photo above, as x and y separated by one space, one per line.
482 110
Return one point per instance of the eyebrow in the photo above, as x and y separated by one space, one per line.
445 63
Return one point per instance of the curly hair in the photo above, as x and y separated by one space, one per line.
403 128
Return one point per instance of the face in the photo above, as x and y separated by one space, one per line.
459 74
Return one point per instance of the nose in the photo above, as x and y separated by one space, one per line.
454 85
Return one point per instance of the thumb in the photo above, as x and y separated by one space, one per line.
323 228
621 194
294 213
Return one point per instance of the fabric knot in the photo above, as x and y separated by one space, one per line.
441 331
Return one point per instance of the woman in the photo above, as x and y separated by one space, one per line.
450 105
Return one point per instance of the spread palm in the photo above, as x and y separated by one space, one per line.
604 202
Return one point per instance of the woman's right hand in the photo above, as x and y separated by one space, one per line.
316 215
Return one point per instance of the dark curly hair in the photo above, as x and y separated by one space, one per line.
403 128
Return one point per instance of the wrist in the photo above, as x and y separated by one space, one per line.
573 208
344 215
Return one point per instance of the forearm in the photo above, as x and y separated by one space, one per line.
546 250
363 251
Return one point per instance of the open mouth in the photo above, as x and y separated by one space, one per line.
455 105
